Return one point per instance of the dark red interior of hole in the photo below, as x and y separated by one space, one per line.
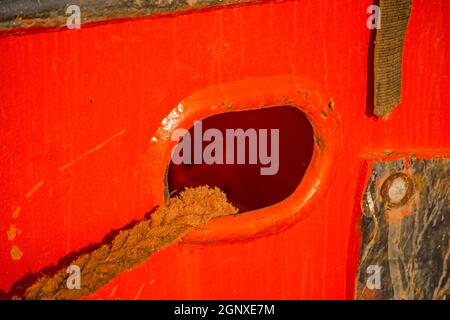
243 184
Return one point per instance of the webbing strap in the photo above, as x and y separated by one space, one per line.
388 54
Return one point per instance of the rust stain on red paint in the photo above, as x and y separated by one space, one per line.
12 232
16 253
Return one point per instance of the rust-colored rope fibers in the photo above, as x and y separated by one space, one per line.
131 247
388 54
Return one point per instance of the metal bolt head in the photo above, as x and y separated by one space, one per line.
397 189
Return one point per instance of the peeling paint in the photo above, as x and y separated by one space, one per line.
12 232
16 253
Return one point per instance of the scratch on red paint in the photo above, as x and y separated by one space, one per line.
16 212
139 291
34 189
113 291
96 148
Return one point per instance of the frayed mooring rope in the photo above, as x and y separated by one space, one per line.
131 247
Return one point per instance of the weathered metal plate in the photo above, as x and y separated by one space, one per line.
405 243
52 13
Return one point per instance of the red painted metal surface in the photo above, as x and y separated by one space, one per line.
79 109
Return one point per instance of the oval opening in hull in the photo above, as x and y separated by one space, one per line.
281 158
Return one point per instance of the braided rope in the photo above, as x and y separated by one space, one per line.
132 247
